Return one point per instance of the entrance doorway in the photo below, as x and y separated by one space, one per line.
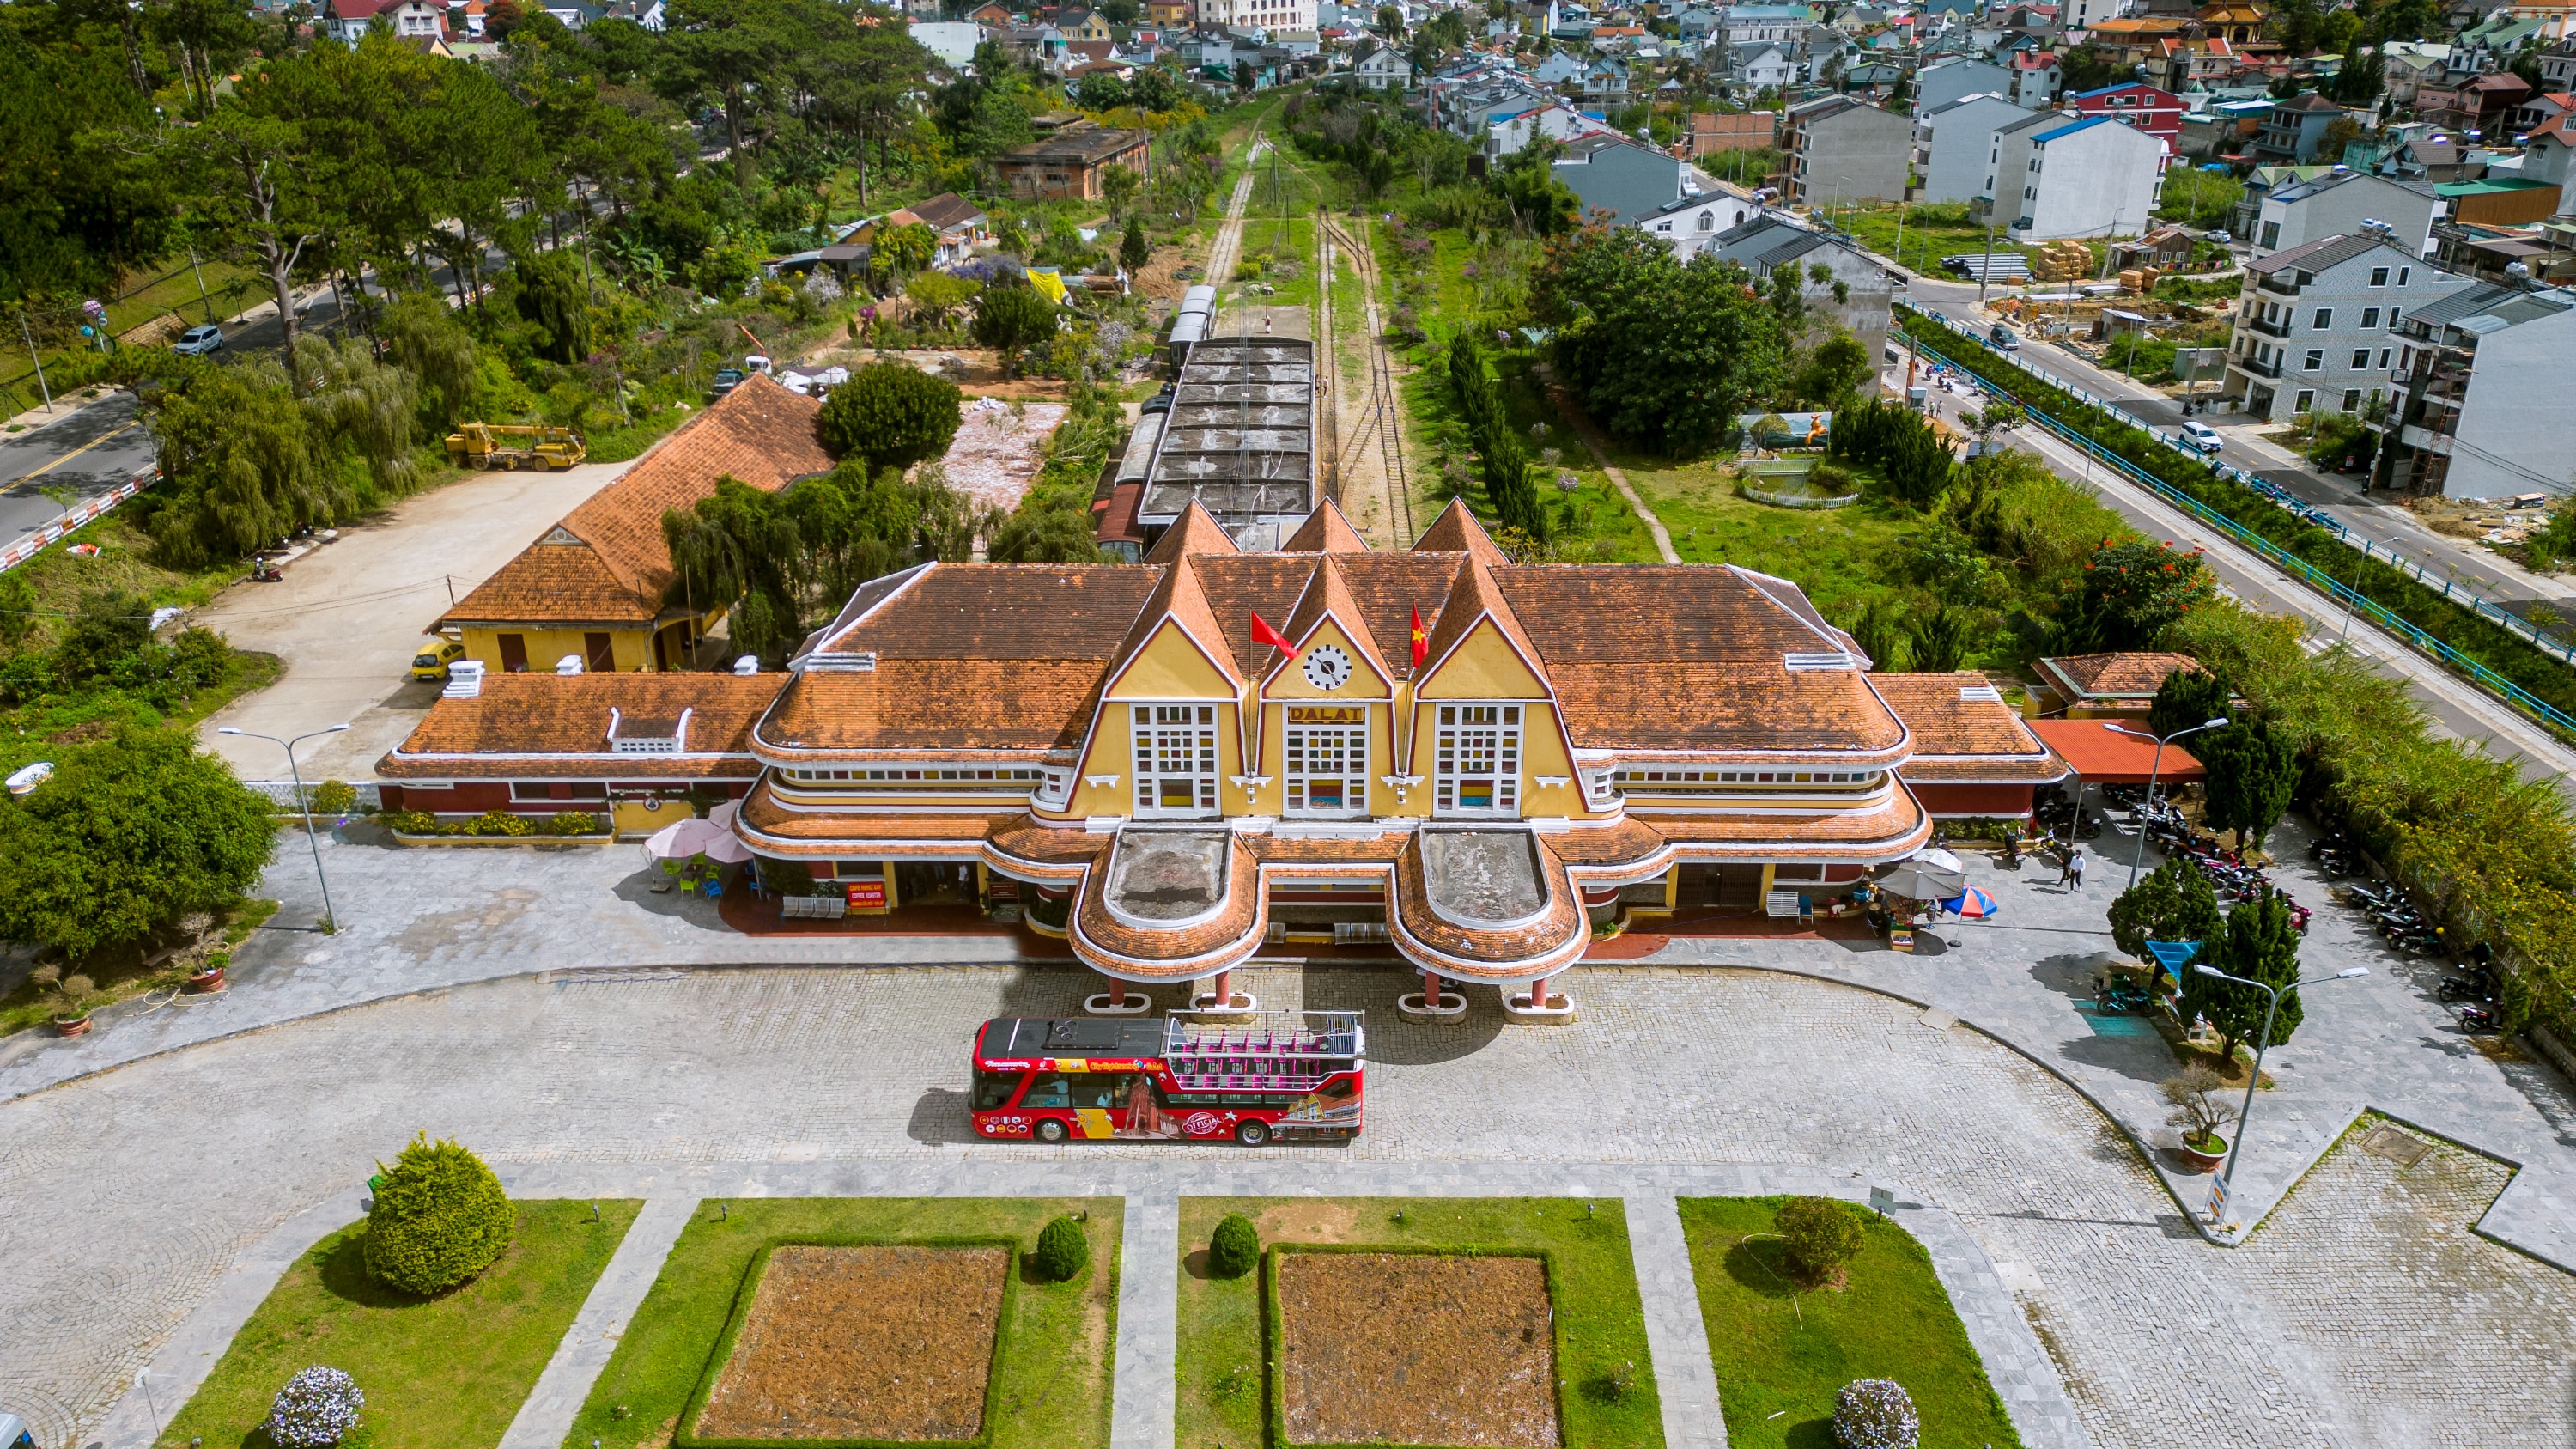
934 883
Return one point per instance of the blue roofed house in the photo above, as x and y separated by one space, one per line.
1606 81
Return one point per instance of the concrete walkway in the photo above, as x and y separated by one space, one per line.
1143 1394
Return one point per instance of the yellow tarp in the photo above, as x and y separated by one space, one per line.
1049 284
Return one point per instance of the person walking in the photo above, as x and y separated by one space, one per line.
2075 869
2066 868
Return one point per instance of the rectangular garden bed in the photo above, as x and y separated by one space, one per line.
1782 1352
859 1343
841 1321
438 1373
1389 1321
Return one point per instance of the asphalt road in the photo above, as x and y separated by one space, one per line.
2381 518
74 458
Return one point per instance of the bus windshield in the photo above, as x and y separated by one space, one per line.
993 1090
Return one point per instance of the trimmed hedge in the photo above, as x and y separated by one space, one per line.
1234 1247
1064 1250
439 1218
2481 639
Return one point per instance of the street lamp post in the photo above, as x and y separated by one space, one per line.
2154 769
330 922
2227 1173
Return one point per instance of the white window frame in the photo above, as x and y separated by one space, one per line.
1155 728
1341 744
1457 726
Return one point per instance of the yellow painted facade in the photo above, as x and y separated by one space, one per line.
632 648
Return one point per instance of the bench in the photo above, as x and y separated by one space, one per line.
813 908
1360 933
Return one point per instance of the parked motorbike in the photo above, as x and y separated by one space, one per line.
2480 1017
2011 857
2476 986
267 574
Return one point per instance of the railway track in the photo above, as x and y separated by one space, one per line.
1381 425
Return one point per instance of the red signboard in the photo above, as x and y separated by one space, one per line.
866 894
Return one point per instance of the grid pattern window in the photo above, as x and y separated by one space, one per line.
1477 761
1666 781
1327 760
1175 759
1002 781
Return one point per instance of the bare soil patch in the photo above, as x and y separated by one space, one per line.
1411 1348
863 1343
1319 1221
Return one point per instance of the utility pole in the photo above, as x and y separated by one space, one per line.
41 385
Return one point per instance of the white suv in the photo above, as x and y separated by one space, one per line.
2201 436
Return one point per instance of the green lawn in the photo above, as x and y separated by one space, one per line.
1055 1367
1933 230
1781 1358
441 1373
1837 555
1220 1377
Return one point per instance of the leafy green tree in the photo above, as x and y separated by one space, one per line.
738 549
890 414
2253 774
1100 91
439 1218
937 294
423 337
728 53
1879 630
2260 943
79 206
2189 697
1821 1234
903 250
1045 535
127 836
2173 902
2129 592
2361 80
1011 318
1661 353
1943 638
1833 371
550 296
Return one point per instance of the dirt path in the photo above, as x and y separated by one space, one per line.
1591 437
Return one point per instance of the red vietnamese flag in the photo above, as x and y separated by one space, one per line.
1263 634
1421 641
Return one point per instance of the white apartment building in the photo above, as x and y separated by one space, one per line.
2059 175
1270 15
1952 142
2317 327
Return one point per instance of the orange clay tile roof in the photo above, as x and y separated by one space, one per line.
2119 676
1196 531
1457 531
1722 706
1960 739
1325 531
606 562
1652 613
1328 593
555 726
1887 833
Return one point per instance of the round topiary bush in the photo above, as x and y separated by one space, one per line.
1234 1247
440 1218
1064 1250
1875 1414
315 1410
891 414
1822 1234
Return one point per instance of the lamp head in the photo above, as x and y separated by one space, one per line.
227 730
335 729
2205 969
2208 725
2349 972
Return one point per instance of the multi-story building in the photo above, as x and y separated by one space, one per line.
1617 178
1853 294
2342 203
1952 144
1070 164
1270 15
2317 325
2058 175
1840 149
2134 103
2482 411
2292 131
1947 80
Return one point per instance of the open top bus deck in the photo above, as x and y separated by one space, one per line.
1274 1074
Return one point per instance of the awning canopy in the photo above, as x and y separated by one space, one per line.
2102 756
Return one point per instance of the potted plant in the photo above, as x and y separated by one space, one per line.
2199 1114
209 975
72 997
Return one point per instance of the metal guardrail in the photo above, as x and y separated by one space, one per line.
35 543
2354 602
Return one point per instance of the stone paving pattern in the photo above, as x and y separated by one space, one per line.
124 1199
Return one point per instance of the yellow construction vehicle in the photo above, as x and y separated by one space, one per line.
508 445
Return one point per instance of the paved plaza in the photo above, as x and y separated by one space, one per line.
2364 1309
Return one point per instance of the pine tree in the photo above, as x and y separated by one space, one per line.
2188 697
2261 943
2252 775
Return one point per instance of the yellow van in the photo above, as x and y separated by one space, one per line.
432 662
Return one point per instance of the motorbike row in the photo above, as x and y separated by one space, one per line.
2397 920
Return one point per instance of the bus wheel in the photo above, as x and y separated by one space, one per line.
1050 1129
1252 1134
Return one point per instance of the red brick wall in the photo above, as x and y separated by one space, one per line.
1953 801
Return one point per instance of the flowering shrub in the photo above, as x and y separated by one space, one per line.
315 1410
573 822
1875 1414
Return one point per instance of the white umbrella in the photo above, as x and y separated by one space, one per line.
684 839
723 814
1934 855
727 850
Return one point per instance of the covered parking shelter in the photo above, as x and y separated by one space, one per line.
2102 755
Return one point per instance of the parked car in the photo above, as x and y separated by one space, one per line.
198 341
432 662
2201 436
14 1434
2002 336
727 380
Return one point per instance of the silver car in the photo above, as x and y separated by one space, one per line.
198 341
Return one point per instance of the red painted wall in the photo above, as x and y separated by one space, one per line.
1953 801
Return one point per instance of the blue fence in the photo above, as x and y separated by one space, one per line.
2354 603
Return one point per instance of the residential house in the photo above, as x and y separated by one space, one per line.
2483 104
1694 221
1940 84
1384 68
2132 41
1083 25
1177 14
1841 149
2316 325
1266 15
2409 65
1770 241
2295 129
2246 218
2550 156
2151 109
953 41
1559 68
2491 44
2558 65
2239 22
1508 135
347 20
1069 164
1712 132
1617 178
2192 63
598 587
2166 248
2499 200
961 224
2484 408
2541 107
2432 157
2060 175
2036 77
1605 82
2339 203
1761 65
1955 145
993 16
1767 22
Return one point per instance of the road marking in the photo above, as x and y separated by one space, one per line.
67 457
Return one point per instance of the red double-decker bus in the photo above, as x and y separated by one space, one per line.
1293 1075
